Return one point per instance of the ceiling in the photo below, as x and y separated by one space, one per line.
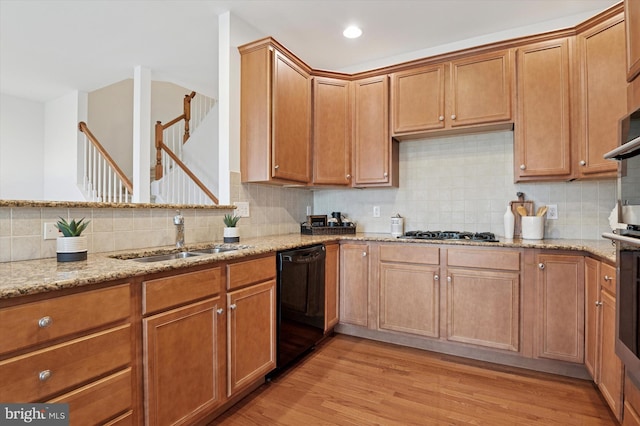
51 47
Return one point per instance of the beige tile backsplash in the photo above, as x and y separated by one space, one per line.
452 183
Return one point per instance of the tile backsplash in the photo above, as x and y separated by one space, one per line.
466 183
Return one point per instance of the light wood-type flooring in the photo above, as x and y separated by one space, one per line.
353 381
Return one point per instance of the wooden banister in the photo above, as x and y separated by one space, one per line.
82 126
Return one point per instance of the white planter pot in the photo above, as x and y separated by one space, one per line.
231 235
71 249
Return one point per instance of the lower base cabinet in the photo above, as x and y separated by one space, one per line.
354 284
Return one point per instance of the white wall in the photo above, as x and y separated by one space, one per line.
21 149
62 144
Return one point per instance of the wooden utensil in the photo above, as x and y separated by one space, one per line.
541 211
522 211
528 207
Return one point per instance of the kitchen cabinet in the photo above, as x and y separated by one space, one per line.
184 352
542 131
251 322
275 115
479 91
354 284
332 286
559 307
409 289
375 155
600 358
483 298
331 131
632 25
602 96
74 348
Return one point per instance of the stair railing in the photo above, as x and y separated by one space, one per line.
183 185
103 180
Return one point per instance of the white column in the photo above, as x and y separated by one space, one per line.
141 134
224 105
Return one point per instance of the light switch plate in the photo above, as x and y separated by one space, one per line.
242 208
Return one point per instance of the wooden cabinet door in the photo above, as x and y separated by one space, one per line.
592 320
611 369
331 132
409 298
603 91
291 147
483 308
480 89
183 362
632 20
372 146
542 126
417 100
559 323
251 334
332 282
354 284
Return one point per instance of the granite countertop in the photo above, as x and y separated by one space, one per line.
44 275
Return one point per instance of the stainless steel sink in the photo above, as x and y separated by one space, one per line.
169 256
215 250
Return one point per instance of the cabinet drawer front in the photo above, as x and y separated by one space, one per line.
50 319
486 259
177 290
249 272
100 400
68 364
410 253
608 278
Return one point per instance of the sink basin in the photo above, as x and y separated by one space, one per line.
163 257
215 250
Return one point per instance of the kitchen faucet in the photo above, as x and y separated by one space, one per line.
178 220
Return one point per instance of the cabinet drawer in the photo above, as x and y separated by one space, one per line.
486 259
608 277
126 419
410 253
100 400
249 272
164 293
69 364
46 320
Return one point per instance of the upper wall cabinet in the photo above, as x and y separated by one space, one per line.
275 116
331 131
543 126
477 91
602 96
632 19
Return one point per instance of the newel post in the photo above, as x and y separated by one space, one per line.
159 131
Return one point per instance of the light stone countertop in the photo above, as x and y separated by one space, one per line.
45 275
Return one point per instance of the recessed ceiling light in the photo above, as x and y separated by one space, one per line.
352 32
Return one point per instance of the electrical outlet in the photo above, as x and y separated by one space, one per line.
552 211
242 208
50 231
376 211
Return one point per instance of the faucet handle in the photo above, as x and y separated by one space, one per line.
178 219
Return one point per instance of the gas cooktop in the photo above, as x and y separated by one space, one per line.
487 237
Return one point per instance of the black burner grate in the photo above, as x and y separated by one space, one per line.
488 237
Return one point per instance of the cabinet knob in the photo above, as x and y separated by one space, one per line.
449 279
45 322
523 167
441 118
607 278
364 254
232 306
276 167
436 277
541 266
598 304
219 311
44 375
348 176
386 174
583 163
453 116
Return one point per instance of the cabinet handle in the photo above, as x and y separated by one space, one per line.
436 277
276 167
541 266
607 278
523 167
232 306
453 116
45 322
219 311
44 375
441 118
598 304
449 279
583 163
364 254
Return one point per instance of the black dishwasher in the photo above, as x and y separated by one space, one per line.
300 299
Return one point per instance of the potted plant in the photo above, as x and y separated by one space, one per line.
71 246
231 234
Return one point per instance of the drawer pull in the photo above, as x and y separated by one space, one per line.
607 278
45 322
44 375
598 303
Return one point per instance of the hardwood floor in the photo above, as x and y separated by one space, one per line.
353 381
